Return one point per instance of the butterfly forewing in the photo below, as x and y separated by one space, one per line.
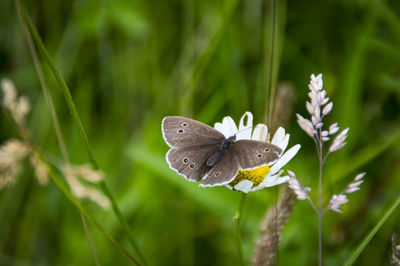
181 132
223 172
251 153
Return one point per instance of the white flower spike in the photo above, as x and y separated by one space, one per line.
313 127
336 202
294 184
265 176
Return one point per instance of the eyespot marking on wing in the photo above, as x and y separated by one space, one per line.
266 149
184 124
259 155
180 131
192 165
185 160
217 174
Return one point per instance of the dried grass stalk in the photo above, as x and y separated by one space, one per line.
266 252
284 101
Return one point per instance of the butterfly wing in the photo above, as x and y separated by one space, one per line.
181 132
190 162
192 144
223 172
252 153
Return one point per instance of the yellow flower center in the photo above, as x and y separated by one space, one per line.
255 175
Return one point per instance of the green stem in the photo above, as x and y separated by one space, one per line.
273 68
78 205
67 95
90 240
78 124
237 220
56 124
123 222
372 233
321 164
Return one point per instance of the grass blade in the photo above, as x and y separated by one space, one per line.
272 61
54 118
78 123
366 240
78 205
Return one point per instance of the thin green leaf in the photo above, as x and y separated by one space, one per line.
61 185
78 123
366 240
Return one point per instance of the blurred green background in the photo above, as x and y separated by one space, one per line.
130 63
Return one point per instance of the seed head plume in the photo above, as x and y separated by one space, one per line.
266 252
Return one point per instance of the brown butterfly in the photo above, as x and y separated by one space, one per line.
200 152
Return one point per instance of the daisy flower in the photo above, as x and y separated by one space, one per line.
264 176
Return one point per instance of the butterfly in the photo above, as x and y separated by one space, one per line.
202 153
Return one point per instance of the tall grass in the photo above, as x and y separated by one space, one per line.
127 64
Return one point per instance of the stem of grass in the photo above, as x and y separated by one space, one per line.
320 211
74 113
366 240
56 124
78 205
90 240
237 220
319 144
271 89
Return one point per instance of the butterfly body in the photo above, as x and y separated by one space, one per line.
217 155
200 152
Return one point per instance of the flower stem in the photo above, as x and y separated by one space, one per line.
237 220
321 164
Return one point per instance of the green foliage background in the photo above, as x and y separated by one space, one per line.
130 63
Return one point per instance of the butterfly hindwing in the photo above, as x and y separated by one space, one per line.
252 153
223 172
190 162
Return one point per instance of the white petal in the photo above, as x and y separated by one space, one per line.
286 157
278 181
271 181
230 125
245 130
278 136
267 180
228 186
220 127
244 186
260 132
259 187
283 144
227 127
262 185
